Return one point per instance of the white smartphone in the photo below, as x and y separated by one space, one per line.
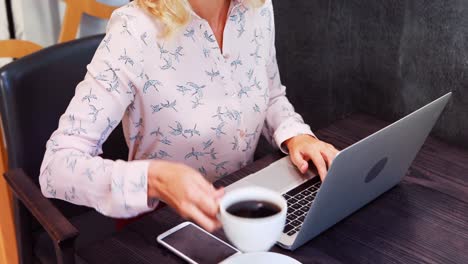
195 245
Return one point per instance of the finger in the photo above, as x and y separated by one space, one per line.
333 150
319 163
298 160
207 197
205 186
328 156
208 223
206 202
219 193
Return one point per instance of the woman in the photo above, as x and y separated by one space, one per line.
195 83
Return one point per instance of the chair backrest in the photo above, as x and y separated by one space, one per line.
74 11
8 251
15 48
34 93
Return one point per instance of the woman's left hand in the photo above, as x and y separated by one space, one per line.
303 148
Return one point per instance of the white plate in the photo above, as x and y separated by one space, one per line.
260 258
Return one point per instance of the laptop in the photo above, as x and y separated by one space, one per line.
359 174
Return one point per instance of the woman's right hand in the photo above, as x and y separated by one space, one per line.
185 190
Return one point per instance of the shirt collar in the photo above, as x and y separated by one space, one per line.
235 3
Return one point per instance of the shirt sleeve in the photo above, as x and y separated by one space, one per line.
71 169
282 122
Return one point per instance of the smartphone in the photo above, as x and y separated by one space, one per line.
195 245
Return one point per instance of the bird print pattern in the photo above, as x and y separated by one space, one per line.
182 99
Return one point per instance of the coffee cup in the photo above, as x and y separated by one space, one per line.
253 218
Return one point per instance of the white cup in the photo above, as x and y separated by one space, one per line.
253 234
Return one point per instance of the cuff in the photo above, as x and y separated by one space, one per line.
289 129
135 187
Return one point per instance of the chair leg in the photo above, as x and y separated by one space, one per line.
8 246
65 252
23 232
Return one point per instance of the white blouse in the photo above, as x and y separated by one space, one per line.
179 99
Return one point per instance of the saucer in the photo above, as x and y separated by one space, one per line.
260 258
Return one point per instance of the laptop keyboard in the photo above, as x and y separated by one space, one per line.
299 200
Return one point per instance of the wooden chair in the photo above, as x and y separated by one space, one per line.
74 11
47 229
8 248
14 48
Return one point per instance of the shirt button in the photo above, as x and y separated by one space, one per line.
226 56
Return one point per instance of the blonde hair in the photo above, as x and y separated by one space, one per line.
174 14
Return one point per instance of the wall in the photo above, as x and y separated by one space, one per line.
386 58
319 57
37 21
413 52
4 33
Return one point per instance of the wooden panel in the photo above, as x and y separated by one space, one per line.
8 248
17 48
73 12
96 9
71 21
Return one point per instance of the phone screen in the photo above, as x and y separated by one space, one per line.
198 245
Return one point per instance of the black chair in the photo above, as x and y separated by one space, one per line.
35 92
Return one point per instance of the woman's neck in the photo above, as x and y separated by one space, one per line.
215 12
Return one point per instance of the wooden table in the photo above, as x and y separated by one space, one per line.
422 220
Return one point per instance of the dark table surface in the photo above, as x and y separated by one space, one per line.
424 219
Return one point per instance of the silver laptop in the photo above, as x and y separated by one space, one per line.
359 174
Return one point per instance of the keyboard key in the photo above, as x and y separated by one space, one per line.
301 219
292 200
287 228
318 184
299 196
309 198
297 229
303 186
298 213
290 233
305 208
303 202
286 196
296 206
291 217
313 194
306 192
296 223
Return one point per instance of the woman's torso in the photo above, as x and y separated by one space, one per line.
195 104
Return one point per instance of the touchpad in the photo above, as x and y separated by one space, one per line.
279 176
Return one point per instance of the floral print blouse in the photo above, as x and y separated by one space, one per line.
179 98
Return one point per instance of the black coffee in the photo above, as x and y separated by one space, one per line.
253 209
